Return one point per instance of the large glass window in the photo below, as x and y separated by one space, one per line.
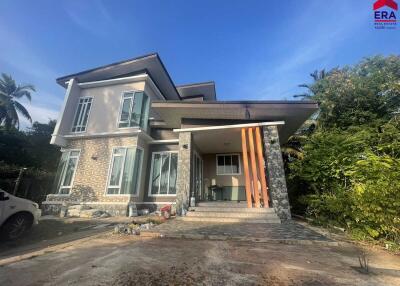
66 172
125 171
228 164
82 114
163 173
134 110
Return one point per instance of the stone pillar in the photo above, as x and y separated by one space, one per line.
276 173
183 176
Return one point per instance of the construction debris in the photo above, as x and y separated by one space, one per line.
132 228
85 211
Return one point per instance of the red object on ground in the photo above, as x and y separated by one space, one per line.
166 211
166 208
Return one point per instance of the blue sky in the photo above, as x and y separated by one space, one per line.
251 49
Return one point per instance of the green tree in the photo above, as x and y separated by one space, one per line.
358 95
351 178
292 149
312 89
348 173
41 151
10 92
30 148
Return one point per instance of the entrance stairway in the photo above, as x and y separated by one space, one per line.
230 212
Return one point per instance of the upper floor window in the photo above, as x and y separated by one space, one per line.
66 171
228 164
134 110
82 114
125 171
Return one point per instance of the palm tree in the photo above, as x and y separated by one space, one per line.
316 75
293 149
9 106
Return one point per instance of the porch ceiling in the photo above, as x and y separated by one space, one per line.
218 141
293 113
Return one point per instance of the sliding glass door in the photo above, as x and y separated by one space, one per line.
197 178
163 174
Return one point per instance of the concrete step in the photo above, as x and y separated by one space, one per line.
256 215
229 220
230 209
218 204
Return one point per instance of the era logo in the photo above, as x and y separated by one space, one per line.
385 14
382 3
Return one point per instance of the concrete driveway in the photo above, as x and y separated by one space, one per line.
108 259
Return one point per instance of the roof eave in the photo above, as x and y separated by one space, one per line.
239 102
62 80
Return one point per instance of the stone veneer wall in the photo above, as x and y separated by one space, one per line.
91 176
184 165
276 173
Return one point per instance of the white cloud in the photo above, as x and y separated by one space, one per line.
17 54
91 16
325 36
38 113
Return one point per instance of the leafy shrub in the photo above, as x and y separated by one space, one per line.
352 179
375 196
349 171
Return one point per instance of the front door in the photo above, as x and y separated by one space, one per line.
198 191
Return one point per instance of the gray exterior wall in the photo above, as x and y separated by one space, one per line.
163 134
275 172
183 182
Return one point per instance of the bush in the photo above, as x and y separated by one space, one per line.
352 179
375 197
349 174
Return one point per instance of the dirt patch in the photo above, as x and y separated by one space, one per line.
55 230
183 275
132 260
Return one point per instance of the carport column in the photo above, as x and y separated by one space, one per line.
184 166
275 172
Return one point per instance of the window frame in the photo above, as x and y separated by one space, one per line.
228 174
76 112
64 172
169 174
111 165
121 105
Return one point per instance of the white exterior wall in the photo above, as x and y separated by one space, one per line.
67 112
105 109
106 105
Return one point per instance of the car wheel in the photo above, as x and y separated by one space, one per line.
16 226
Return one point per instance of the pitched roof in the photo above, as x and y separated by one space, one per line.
150 64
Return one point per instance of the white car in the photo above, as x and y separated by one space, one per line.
16 215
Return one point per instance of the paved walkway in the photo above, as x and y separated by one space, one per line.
290 232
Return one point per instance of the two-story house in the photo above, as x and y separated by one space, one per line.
129 135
